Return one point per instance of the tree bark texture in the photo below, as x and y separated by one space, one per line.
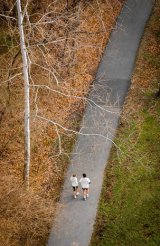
26 92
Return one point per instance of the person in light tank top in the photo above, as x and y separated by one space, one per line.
85 182
74 183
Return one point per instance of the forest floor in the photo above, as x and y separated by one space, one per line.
129 208
26 216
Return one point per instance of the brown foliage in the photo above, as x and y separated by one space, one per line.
27 216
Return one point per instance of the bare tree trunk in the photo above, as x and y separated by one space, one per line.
26 88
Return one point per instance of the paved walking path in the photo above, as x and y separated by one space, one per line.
75 218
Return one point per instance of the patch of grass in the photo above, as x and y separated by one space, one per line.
131 215
150 58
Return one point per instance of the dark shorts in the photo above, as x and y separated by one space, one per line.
74 188
85 188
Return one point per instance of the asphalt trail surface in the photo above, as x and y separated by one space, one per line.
73 225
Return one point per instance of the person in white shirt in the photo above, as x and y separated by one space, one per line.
85 182
74 183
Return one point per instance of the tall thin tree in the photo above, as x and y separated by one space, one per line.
26 92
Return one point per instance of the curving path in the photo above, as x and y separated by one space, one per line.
74 221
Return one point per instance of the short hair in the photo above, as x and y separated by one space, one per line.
74 175
84 175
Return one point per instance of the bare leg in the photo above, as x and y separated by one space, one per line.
87 192
77 191
74 193
84 194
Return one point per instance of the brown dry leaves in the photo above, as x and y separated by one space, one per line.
84 31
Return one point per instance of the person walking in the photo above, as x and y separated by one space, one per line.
85 182
74 183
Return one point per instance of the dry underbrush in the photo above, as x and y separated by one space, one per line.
25 215
67 66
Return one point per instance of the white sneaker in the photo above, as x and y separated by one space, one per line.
75 196
84 198
87 195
